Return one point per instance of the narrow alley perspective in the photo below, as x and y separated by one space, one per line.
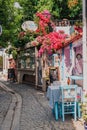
43 64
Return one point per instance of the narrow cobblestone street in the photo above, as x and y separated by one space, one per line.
35 113
5 99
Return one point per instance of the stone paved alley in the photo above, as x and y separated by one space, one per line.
35 112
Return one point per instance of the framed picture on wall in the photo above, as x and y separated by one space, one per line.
79 56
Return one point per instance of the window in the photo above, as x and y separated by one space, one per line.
26 58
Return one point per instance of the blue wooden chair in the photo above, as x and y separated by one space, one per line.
79 113
69 100
79 101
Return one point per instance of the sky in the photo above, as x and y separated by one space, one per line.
16 4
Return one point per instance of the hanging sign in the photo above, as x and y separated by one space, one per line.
29 25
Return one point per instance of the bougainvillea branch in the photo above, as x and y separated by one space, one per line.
47 39
51 42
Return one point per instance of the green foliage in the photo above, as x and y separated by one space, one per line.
24 38
29 9
84 107
13 51
44 5
84 111
76 11
14 54
11 18
21 42
59 9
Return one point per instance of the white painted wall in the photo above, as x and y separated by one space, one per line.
5 62
84 45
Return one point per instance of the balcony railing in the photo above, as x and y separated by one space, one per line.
66 22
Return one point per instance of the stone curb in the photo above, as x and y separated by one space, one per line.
12 119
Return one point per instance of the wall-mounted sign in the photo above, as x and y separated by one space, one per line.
29 25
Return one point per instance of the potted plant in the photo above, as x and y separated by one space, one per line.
84 111
84 114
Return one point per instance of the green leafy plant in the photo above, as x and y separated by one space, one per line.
13 51
84 109
14 54
23 38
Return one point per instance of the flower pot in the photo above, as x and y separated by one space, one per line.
85 126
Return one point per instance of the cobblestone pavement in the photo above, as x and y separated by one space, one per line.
5 100
36 113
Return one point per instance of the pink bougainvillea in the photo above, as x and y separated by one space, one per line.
51 42
78 29
48 40
44 22
21 34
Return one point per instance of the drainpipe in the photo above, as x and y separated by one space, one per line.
71 59
70 53
63 64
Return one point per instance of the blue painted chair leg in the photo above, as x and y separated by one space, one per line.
79 111
63 116
53 111
75 116
56 110
60 110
